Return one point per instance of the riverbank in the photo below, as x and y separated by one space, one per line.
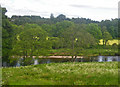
64 53
70 73
85 52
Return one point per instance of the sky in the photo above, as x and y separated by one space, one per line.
94 9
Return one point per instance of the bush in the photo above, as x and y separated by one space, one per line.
27 61
115 45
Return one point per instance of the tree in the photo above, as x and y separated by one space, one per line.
105 35
56 42
31 41
111 26
0 34
95 30
61 17
77 39
61 27
7 33
51 16
49 29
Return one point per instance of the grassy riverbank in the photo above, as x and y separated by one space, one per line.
95 73
85 52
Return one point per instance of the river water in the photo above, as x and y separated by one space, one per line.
34 61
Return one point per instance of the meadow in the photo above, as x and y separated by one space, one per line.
86 52
69 73
110 42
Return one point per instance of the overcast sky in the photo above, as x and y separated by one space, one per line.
93 9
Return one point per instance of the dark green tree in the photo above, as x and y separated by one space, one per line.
7 31
95 30
31 41
105 35
61 27
77 39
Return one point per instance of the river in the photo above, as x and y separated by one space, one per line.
36 61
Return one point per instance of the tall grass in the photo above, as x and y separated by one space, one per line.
70 73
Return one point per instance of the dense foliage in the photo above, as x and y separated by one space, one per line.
29 36
111 25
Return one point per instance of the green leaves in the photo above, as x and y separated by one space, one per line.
106 37
75 38
95 30
32 40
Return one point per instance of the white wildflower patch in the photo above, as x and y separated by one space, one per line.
37 70
78 83
86 68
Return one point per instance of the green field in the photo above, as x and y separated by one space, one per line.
110 42
71 73
85 52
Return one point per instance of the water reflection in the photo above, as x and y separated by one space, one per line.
36 62
23 62
18 64
100 59
86 59
108 58
48 61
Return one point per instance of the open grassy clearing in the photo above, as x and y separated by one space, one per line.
110 42
86 52
71 73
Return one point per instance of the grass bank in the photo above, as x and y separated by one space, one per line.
85 52
110 42
95 73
